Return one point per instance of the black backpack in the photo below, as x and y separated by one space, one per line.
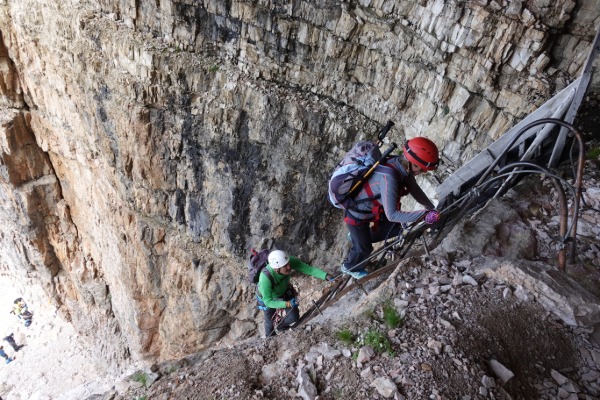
256 265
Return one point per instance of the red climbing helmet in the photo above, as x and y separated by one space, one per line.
423 152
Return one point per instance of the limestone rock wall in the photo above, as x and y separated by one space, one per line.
147 145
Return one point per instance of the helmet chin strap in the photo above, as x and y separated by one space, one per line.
410 168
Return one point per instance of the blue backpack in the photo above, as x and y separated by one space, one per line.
350 171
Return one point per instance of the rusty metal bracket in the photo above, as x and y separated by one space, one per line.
360 285
428 255
317 307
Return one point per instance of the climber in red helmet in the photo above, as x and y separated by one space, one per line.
376 214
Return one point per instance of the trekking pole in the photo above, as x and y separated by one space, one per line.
380 137
383 133
384 157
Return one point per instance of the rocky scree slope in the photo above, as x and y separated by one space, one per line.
468 329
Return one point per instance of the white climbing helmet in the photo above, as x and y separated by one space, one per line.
278 259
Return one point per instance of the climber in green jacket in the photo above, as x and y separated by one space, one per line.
275 290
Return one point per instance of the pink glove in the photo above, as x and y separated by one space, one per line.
432 217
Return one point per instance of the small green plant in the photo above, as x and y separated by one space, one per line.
171 369
213 69
378 342
345 336
593 153
338 394
143 397
391 317
370 313
140 377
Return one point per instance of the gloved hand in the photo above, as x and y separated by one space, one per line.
329 278
432 217
292 303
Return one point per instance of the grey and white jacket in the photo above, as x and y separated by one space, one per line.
388 183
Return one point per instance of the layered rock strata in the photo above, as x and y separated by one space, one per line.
147 145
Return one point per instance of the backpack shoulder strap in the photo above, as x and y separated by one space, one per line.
266 271
401 175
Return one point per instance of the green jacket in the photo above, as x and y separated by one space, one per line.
269 293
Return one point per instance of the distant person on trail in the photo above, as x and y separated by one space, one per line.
279 298
11 340
4 355
21 310
378 202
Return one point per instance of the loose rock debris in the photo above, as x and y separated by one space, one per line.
464 335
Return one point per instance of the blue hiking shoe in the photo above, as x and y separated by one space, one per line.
356 274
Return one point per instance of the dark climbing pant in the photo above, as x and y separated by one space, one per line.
291 317
363 238
10 339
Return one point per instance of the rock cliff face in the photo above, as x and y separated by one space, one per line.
146 145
